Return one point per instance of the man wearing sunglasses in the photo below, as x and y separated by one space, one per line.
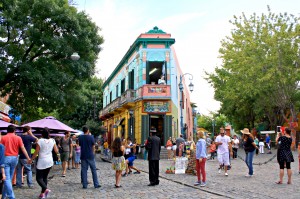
224 146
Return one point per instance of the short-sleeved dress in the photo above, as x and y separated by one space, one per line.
284 153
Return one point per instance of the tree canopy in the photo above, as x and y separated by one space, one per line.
37 38
86 112
259 74
212 123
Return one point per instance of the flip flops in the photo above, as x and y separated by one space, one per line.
278 182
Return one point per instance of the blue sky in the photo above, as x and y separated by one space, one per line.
198 26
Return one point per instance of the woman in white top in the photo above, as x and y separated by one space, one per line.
44 148
235 146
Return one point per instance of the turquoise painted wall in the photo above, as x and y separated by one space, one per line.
139 68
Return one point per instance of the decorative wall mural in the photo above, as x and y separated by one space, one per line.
156 107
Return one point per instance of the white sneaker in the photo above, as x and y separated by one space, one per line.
203 184
247 175
226 174
219 171
197 183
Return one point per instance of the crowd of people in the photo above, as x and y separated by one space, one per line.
227 148
15 156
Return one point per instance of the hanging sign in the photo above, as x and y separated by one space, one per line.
156 107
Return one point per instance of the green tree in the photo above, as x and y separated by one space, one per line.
207 122
87 109
37 40
40 114
260 70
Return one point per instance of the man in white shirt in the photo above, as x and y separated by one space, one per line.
224 145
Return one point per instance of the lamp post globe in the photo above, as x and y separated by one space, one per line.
191 86
75 56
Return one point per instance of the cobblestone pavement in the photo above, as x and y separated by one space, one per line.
236 185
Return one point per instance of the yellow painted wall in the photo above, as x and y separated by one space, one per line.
138 121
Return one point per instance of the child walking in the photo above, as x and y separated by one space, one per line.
212 150
77 154
261 146
105 146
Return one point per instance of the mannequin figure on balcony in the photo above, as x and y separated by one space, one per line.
162 80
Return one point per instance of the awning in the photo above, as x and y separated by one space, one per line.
4 117
267 132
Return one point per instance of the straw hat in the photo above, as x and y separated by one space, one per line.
245 131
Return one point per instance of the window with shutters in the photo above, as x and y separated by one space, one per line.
122 86
110 97
131 79
117 91
154 71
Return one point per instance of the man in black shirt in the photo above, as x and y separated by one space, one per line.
154 147
28 138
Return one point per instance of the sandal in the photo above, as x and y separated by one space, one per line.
118 186
278 182
289 182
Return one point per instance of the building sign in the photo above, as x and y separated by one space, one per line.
4 108
156 107
157 89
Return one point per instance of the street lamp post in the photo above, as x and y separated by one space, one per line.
191 87
131 112
213 126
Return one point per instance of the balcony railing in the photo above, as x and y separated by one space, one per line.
145 92
127 96
154 92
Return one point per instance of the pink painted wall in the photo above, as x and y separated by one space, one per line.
187 111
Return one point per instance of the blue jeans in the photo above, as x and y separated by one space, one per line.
84 168
249 160
27 168
10 163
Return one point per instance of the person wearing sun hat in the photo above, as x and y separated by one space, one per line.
249 147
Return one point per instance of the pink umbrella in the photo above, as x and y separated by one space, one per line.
4 125
51 122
